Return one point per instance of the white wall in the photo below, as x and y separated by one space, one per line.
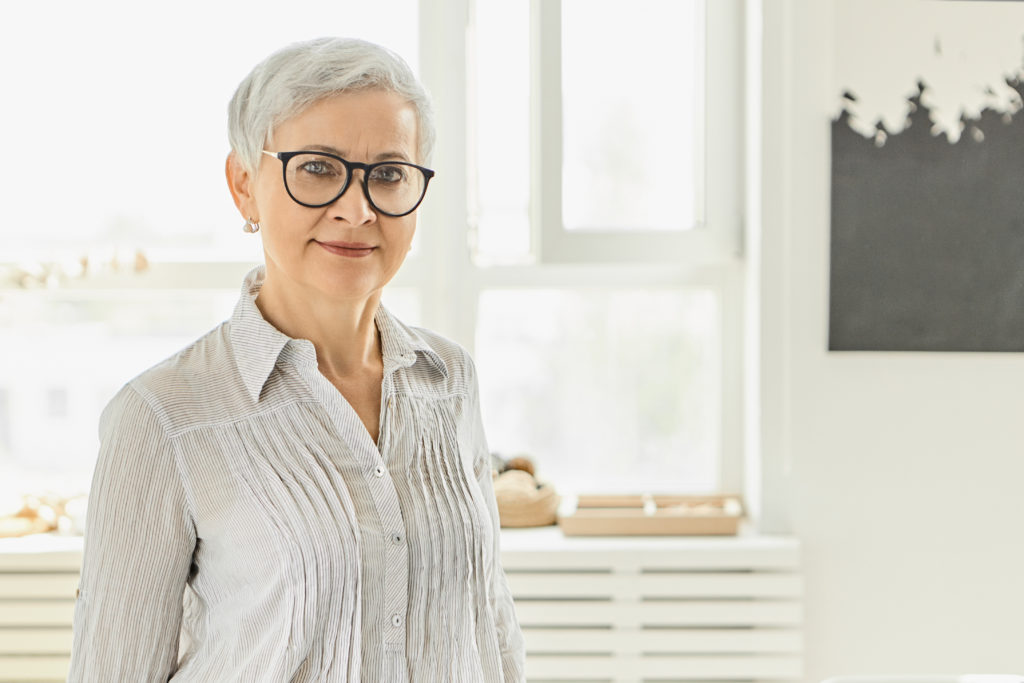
903 474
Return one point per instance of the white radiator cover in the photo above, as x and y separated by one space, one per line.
657 609
38 578
592 609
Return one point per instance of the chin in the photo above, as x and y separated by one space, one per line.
346 287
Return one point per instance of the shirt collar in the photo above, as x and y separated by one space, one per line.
257 344
402 345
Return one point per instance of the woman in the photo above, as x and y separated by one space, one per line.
304 494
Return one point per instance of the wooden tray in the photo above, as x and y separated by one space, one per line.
654 515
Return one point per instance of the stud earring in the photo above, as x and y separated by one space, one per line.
251 225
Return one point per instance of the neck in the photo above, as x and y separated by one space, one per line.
342 331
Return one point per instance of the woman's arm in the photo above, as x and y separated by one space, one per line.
510 636
139 538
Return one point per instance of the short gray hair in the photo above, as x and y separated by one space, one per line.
295 77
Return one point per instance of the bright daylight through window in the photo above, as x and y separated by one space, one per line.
613 364
617 372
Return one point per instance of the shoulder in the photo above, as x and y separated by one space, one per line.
194 385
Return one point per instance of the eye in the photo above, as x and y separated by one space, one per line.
388 174
318 167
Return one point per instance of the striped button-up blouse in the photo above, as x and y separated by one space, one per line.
243 525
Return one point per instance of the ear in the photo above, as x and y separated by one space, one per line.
241 183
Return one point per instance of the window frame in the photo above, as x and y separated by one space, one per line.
717 231
451 280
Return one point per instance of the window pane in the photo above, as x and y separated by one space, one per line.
606 390
66 355
119 132
629 99
502 101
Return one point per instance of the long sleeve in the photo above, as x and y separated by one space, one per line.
510 635
139 539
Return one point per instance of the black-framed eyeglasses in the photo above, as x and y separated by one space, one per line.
316 179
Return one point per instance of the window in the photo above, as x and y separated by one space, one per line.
589 262
593 133
602 284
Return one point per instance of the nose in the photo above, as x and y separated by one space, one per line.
352 206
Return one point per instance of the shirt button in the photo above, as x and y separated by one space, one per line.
397 538
396 620
379 471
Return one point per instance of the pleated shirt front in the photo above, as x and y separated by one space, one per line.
243 525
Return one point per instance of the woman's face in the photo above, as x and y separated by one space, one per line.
345 250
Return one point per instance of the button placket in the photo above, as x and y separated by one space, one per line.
396 572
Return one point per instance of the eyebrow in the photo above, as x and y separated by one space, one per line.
383 156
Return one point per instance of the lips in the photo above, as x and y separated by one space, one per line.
350 249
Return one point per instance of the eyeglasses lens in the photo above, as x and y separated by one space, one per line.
393 188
